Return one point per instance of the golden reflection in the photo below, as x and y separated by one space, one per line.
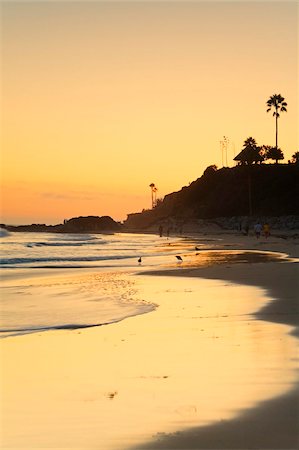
204 258
199 357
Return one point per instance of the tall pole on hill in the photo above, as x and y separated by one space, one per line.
223 147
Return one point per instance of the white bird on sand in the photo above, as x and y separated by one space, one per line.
179 257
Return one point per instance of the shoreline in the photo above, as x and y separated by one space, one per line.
277 287
80 368
272 424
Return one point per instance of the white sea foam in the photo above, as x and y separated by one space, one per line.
31 303
37 250
3 232
73 301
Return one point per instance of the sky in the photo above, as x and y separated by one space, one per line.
102 98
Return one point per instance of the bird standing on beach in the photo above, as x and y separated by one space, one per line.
196 248
179 258
140 260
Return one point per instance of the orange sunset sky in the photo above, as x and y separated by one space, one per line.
101 98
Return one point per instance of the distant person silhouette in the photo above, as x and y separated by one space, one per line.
161 230
266 230
258 229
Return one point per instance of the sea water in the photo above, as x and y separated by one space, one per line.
55 250
69 281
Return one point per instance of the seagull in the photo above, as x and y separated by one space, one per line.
196 248
140 260
179 257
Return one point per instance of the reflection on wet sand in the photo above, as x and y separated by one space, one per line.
204 258
200 357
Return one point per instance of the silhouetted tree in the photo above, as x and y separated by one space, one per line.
274 153
295 158
277 102
210 170
158 202
264 149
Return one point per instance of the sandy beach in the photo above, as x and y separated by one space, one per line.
214 366
274 424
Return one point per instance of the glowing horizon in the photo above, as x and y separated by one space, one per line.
100 99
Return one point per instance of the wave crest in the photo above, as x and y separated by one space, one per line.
4 233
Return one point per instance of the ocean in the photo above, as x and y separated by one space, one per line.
53 281
53 250
70 281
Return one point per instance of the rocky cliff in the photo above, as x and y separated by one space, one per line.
256 190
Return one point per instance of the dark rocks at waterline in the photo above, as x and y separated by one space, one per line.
87 224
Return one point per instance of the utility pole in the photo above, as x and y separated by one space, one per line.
223 146
221 149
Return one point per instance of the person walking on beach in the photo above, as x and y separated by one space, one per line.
266 230
258 229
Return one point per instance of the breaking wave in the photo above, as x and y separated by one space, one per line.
4 233
13 261
64 244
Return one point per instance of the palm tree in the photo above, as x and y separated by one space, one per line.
153 192
277 102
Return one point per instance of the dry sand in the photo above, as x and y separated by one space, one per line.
117 387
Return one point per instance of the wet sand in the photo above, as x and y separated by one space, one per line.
141 382
274 424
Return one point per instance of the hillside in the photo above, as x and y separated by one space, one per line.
88 224
256 190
